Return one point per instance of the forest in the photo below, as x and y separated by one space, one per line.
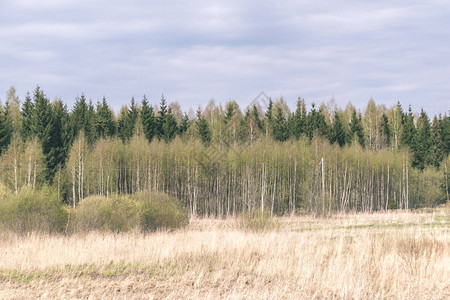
224 160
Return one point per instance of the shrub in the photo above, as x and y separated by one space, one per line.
33 210
147 211
257 221
116 214
160 211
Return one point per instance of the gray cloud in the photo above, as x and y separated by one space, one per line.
198 50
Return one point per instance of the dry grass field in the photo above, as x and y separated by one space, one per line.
395 255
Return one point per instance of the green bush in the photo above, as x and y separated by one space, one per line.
116 214
147 211
160 211
33 210
257 221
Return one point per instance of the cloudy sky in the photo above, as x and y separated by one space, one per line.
195 51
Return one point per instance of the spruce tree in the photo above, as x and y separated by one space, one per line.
408 130
422 142
386 129
298 122
258 120
203 128
356 129
161 117
61 134
27 118
148 120
438 150
47 133
170 126
124 129
105 123
337 131
83 118
185 123
316 123
268 115
280 130
5 130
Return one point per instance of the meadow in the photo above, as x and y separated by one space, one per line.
393 255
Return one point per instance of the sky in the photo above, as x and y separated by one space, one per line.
195 51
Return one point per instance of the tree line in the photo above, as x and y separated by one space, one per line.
222 160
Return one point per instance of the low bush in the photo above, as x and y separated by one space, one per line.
116 214
160 211
146 211
33 210
257 221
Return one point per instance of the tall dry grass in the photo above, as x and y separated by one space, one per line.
377 256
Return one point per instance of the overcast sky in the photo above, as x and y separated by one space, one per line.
195 51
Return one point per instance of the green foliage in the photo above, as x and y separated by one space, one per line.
27 118
169 126
298 122
386 129
33 210
408 130
356 129
337 131
279 126
316 124
257 220
160 211
115 214
148 120
5 130
105 123
146 211
203 128
83 119
422 142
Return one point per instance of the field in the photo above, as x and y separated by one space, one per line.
376 256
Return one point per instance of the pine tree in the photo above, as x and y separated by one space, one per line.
83 118
27 118
422 142
161 117
170 126
124 129
203 128
337 131
386 130
133 114
61 135
148 120
105 123
268 115
356 129
258 120
5 130
315 123
408 130
438 149
185 123
229 112
46 132
280 130
298 122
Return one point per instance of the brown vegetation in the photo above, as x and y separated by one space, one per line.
389 255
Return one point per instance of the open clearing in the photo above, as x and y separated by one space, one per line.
382 256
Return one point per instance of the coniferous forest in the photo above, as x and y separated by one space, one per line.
224 160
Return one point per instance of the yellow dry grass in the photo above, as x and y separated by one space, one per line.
364 256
